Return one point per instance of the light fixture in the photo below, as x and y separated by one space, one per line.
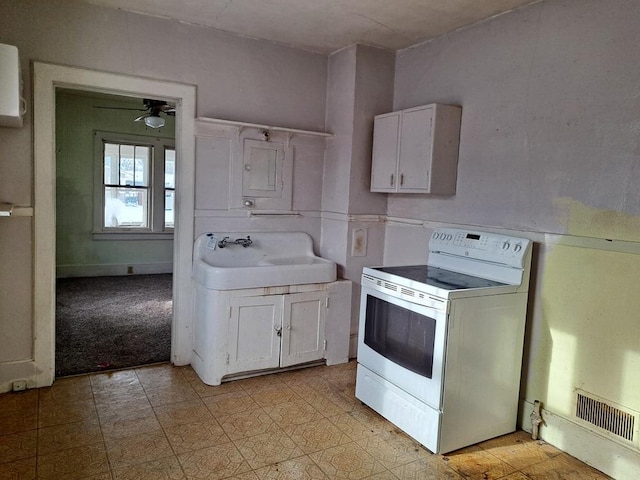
154 121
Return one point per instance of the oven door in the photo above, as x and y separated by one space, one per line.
404 343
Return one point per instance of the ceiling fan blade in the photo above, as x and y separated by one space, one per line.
121 108
142 117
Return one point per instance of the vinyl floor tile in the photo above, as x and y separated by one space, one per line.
317 435
246 424
73 463
140 448
214 463
18 445
164 469
230 403
301 468
273 446
23 469
476 464
183 412
195 436
562 467
295 412
161 422
69 435
348 461
427 468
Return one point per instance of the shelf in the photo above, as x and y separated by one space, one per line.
231 123
9 210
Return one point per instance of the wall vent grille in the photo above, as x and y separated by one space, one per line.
605 416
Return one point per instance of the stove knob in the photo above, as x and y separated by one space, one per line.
517 247
506 245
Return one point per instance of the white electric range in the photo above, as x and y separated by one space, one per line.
440 345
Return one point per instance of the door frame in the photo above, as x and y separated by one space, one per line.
46 78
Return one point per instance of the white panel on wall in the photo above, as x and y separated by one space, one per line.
212 173
307 176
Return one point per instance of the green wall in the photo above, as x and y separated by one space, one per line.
77 252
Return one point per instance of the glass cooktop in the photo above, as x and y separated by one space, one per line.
439 278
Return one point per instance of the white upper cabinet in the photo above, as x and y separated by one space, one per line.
262 169
416 150
12 104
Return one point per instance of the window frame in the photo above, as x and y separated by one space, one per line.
156 228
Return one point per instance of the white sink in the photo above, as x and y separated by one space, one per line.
272 259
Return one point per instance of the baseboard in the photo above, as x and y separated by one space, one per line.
112 270
20 370
614 459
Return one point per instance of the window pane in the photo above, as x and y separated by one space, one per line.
126 165
169 202
111 163
169 168
126 207
141 175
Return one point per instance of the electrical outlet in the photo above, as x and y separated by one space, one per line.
19 385
129 269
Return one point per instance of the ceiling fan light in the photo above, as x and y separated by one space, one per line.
153 121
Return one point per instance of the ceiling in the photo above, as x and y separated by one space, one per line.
325 26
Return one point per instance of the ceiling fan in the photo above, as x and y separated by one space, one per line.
152 109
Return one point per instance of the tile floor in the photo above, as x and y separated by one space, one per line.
162 422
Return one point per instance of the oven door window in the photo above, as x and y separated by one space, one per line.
400 335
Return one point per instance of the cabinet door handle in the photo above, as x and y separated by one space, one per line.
278 330
401 179
392 179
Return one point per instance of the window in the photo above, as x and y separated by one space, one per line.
135 185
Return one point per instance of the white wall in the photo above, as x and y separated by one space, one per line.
360 86
549 149
237 78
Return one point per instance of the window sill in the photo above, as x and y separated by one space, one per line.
129 235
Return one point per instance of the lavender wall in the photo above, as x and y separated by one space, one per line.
549 150
550 112
237 79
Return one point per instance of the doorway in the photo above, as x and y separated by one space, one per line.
48 78
115 189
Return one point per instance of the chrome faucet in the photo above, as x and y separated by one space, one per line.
245 242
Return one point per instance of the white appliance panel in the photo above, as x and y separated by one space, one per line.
428 390
473 393
414 417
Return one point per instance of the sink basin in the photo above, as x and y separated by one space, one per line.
274 258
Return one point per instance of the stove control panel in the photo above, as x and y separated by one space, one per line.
484 246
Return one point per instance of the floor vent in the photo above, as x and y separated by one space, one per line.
607 417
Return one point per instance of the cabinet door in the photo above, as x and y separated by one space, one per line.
262 175
254 323
414 166
384 175
303 328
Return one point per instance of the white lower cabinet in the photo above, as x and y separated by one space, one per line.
253 343
253 331
276 331
303 327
